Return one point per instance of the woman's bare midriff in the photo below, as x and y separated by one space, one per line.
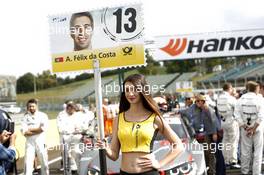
130 162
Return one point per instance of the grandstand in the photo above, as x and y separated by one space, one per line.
253 70
88 88
238 75
249 71
162 80
171 88
155 81
110 86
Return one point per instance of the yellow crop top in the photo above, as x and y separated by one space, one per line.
136 136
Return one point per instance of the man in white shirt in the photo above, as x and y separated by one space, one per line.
33 126
249 113
65 124
261 89
59 122
226 105
71 124
84 118
81 123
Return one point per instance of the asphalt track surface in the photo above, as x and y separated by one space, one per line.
54 163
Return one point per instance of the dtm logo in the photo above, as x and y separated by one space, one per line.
176 48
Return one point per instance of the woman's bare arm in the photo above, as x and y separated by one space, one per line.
113 150
176 144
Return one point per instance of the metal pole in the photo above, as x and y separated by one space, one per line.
120 79
99 113
66 159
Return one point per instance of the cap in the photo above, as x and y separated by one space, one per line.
189 95
200 97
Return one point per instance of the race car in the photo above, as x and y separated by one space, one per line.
191 161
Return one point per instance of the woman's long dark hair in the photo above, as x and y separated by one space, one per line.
147 100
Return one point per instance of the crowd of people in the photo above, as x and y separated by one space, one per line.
233 119
230 118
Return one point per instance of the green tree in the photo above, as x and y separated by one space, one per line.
67 80
180 66
152 67
25 83
83 76
46 80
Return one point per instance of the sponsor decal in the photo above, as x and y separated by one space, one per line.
206 45
175 48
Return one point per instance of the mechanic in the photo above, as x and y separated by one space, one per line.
33 127
66 127
249 112
59 123
226 105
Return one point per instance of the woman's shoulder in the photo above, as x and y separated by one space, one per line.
119 116
157 118
158 122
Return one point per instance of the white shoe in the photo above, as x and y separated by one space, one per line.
235 166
